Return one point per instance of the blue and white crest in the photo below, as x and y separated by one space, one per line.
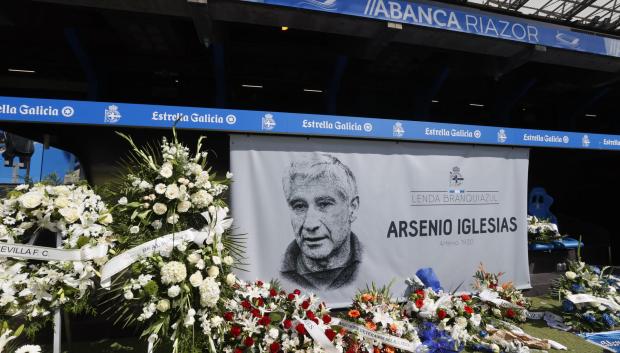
268 122
398 130
112 115
456 179
501 136
585 141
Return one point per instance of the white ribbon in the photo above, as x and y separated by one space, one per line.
168 241
318 336
552 320
34 252
587 298
395 342
493 297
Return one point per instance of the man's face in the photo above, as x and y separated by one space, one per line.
321 217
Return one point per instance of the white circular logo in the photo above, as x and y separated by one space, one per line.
67 111
565 139
231 119
477 134
368 127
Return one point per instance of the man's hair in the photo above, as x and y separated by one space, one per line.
321 166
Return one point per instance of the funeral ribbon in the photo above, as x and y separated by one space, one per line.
168 241
34 252
587 298
553 320
318 336
395 342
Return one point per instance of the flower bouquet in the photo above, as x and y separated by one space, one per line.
376 311
262 318
542 230
176 251
589 298
502 301
70 216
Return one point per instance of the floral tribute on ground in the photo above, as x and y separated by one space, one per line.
30 290
589 297
176 251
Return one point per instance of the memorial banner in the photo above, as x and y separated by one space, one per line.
609 340
333 215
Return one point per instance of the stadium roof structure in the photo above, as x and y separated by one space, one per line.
595 15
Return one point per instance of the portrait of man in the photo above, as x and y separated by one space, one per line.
322 198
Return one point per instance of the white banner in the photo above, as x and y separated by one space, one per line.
44 253
333 215
167 242
386 339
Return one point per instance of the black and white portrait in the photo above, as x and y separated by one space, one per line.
323 202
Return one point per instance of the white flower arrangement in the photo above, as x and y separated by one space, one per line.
81 219
169 291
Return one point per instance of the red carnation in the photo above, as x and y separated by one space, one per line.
297 292
261 302
246 304
310 315
465 297
469 310
274 347
420 293
259 283
441 314
235 331
419 303
287 324
330 334
510 313
291 297
305 305
301 329
228 316
256 313
273 292
238 350
249 341
327 319
265 320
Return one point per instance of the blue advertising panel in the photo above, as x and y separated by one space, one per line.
609 340
464 20
33 110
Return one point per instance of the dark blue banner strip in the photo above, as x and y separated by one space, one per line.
464 20
33 110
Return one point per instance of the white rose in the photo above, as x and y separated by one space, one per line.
31 199
216 260
163 305
172 191
570 275
106 219
184 206
174 291
195 279
228 260
122 201
173 219
134 229
166 170
159 208
273 333
193 258
70 214
156 224
230 279
160 188
128 295
213 271
61 202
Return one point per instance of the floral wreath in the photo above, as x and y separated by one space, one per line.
170 213
33 289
